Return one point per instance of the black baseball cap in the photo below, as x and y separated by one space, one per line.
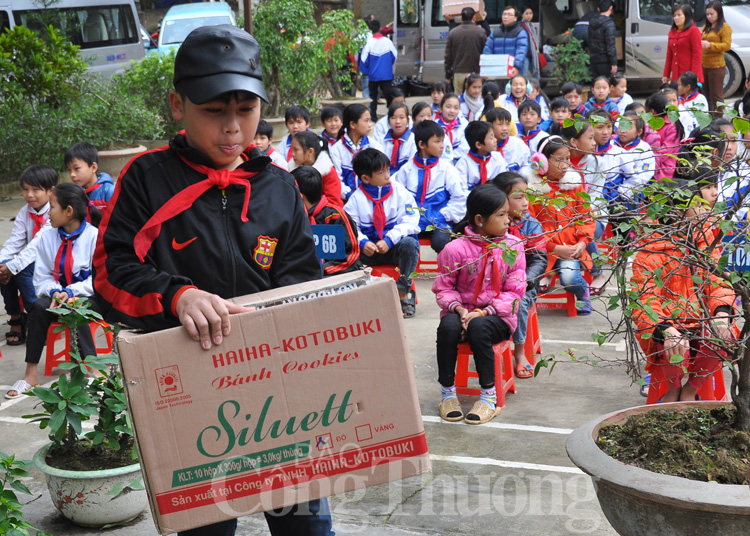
217 59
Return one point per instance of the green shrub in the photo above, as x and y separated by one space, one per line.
571 61
151 79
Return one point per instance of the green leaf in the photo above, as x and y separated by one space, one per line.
20 487
703 118
741 125
677 358
46 394
656 122
56 421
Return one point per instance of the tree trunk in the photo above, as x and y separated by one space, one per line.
741 398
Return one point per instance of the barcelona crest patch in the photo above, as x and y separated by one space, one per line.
264 251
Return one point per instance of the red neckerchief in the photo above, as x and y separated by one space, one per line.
39 221
494 278
66 250
482 161
501 145
352 148
632 145
581 108
448 127
517 103
317 208
330 139
378 214
604 148
270 151
397 143
528 137
575 161
289 148
221 178
691 97
90 189
427 175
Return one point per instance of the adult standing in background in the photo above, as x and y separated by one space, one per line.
462 49
717 39
531 66
602 49
684 49
378 58
509 38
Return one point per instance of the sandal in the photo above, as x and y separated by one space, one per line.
544 285
409 304
598 285
20 387
450 410
481 413
644 388
20 334
524 371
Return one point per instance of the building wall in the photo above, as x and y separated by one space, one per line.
382 9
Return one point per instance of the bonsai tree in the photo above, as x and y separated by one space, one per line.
571 60
94 389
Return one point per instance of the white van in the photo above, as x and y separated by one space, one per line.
106 30
642 26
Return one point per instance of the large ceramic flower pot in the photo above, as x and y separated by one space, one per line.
95 498
113 161
641 503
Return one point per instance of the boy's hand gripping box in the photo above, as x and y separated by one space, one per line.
311 394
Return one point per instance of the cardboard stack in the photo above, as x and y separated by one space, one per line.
452 8
496 65
310 395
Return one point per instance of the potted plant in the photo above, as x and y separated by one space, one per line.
93 478
643 477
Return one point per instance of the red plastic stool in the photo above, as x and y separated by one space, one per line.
606 244
423 265
543 301
505 380
52 359
392 271
533 344
713 388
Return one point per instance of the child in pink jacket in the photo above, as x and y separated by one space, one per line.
670 135
479 294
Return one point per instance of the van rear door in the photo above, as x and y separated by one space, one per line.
407 36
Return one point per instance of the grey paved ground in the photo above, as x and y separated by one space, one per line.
510 477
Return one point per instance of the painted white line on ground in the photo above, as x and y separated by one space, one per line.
504 426
584 343
14 420
507 464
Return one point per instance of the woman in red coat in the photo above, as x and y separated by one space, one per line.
684 50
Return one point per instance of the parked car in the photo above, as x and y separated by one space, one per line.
182 19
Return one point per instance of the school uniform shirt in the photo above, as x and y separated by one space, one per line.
622 102
330 139
399 217
27 224
331 179
454 142
609 156
533 138
686 105
382 127
378 57
101 191
276 158
594 178
69 267
326 213
436 113
475 169
400 149
515 152
511 104
731 194
436 187
581 110
219 239
544 106
637 166
608 106
285 146
342 153
465 112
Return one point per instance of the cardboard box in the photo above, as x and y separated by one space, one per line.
496 65
452 8
312 394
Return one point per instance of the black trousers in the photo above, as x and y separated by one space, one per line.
481 334
439 238
383 86
601 69
39 322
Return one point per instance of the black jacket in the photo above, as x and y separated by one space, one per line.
602 40
207 246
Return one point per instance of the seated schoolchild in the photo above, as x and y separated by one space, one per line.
491 96
515 152
453 125
566 219
649 135
519 93
17 258
669 137
573 93
472 104
82 162
435 185
332 119
264 139
691 304
478 293
537 95
600 98
297 119
439 89
637 163
690 100
393 95
530 130
357 125
388 220
527 228
322 212
307 150
398 141
62 271
483 161
559 112
421 111
618 91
